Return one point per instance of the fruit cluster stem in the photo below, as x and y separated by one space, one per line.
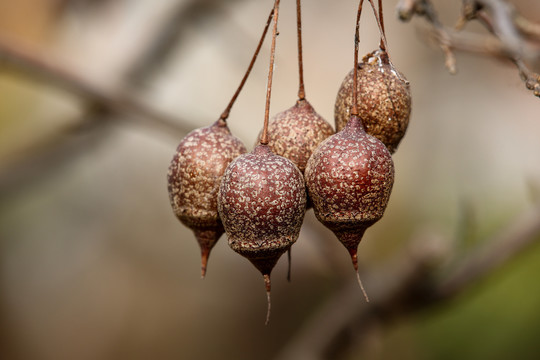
354 109
380 23
381 19
225 113
301 89
264 137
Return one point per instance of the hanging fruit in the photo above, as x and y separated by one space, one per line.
196 170
384 95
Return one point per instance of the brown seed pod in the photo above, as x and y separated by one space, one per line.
349 178
262 202
296 132
193 181
384 99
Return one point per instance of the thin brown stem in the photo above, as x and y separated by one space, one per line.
264 137
301 89
354 109
227 110
382 45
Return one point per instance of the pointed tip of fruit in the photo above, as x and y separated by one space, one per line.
268 287
206 238
289 265
204 261
354 257
265 265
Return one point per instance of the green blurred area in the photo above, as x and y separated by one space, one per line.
500 319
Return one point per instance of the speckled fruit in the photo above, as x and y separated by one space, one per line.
296 132
349 178
384 100
262 202
194 177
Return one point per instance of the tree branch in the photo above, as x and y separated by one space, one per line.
406 285
51 72
512 36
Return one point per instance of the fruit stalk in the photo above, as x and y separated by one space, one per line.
382 45
354 109
264 138
378 18
301 89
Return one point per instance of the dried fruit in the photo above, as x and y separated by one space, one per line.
262 202
384 99
193 181
349 178
296 132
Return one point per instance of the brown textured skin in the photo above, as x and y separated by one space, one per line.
296 132
350 178
262 202
384 100
194 176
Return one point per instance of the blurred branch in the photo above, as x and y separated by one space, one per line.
117 103
160 47
45 157
512 37
406 285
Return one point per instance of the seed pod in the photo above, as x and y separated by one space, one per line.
349 178
296 132
262 202
384 99
193 181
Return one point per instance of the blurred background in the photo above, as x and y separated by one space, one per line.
93 263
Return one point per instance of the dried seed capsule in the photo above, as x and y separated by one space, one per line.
193 181
296 132
384 99
349 178
262 202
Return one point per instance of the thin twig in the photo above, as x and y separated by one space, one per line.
408 8
511 34
354 109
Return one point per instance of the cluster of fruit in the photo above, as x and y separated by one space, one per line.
259 198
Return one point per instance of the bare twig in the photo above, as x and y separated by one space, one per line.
408 8
407 285
510 39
